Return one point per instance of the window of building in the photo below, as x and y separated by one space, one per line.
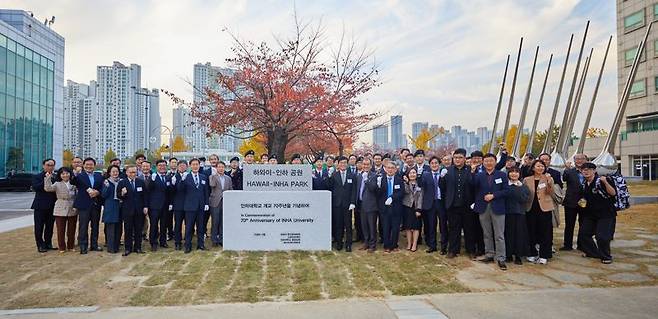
638 89
655 11
645 166
634 21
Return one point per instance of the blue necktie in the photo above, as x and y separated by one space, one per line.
390 187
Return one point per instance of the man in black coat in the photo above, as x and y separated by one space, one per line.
132 192
366 196
343 198
574 192
457 189
235 172
43 205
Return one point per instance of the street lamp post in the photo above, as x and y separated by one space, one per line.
147 118
166 130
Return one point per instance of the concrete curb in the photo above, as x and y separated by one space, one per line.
16 223
36 311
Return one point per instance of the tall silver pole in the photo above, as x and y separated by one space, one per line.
574 110
511 96
531 139
492 145
524 110
567 111
549 132
606 161
583 135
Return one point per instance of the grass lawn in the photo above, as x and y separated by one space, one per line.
643 188
29 279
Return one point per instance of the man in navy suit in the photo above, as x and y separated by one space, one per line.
195 187
178 204
43 205
343 199
169 217
390 202
433 206
88 202
134 206
490 188
320 175
456 189
158 204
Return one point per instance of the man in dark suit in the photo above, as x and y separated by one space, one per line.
572 212
456 187
343 200
421 167
178 204
377 165
169 217
390 202
134 206
158 203
88 202
367 195
490 189
43 205
351 164
320 175
557 177
433 206
195 187
235 172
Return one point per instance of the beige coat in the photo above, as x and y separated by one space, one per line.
546 202
65 197
413 196
216 190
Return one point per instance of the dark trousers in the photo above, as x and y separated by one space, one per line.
602 229
571 214
540 230
133 223
179 216
158 225
194 218
66 227
390 220
217 231
476 229
169 219
112 236
516 235
206 218
369 226
342 225
89 218
43 227
430 217
357 225
458 220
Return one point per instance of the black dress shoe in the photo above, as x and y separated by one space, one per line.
83 251
348 249
486 260
126 253
96 249
201 248
566 248
42 249
517 261
50 247
431 250
339 247
502 265
444 251
164 245
139 251
188 250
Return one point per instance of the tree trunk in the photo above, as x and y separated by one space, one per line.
277 140
341 147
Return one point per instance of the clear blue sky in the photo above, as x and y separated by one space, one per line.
441 61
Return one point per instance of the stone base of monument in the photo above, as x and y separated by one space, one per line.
277 220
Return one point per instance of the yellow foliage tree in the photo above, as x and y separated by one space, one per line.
509 142
67 158
421 142
256 143
179 144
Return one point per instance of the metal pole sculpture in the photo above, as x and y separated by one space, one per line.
574 110
557 160
549 131
492 145
511 96
583 135
524 110
606 162
541 99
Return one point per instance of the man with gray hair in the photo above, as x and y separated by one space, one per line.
574 180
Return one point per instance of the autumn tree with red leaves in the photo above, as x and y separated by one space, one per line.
289 95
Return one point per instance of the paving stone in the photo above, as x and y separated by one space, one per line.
645 260
628 277
623 243
531 280
647 236
579 269
576 259
653 269
567 277
642 252
477 281
622 266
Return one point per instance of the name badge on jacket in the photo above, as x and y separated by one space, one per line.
203 182
498 180
139 189
349 181
168 183
541 185
396 186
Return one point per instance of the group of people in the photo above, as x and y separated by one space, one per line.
506 210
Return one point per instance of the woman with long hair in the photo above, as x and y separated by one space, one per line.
539 216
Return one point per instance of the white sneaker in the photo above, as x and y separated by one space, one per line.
542 261
532 259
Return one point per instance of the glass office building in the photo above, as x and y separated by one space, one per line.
28 88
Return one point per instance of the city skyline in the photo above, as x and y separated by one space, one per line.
433 65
